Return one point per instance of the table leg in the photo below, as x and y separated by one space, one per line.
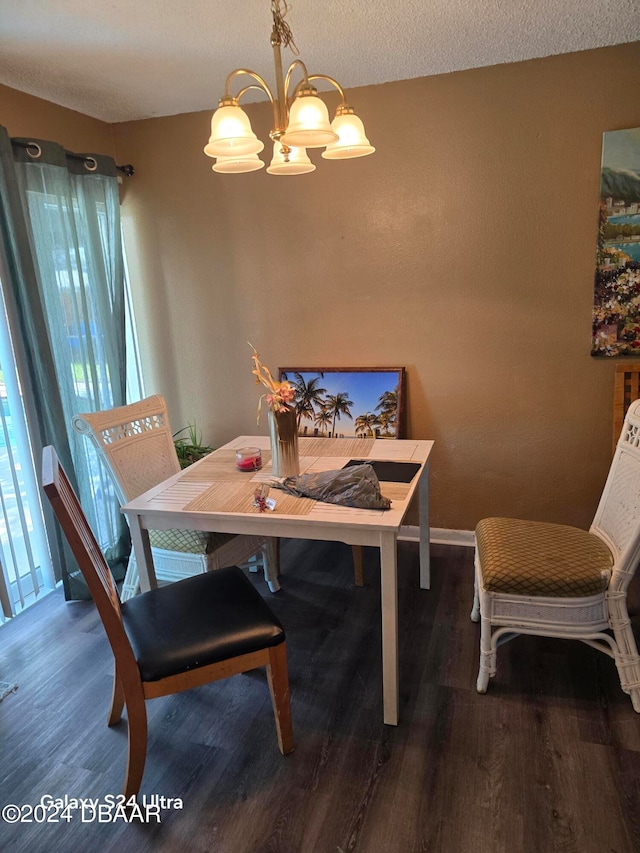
389 607
357 552
144 557
423 517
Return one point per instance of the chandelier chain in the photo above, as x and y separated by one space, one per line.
282 34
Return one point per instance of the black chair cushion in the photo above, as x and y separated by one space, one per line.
198 621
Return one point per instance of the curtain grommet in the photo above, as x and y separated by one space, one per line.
34 154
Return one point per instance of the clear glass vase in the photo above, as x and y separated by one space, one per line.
283 432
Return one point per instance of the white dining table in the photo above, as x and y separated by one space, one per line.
212 495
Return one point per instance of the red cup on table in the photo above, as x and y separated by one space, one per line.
248 459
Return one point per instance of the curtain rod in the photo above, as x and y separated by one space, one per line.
127 169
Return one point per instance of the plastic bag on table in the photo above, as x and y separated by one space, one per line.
356 486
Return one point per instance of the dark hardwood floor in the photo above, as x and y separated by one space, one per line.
547 760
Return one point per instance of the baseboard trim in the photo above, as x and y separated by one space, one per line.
438 535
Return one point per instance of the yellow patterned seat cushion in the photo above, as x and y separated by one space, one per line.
536 558
188 541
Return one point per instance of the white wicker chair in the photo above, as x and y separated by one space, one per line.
135 443
558 581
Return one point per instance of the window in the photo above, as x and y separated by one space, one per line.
25 565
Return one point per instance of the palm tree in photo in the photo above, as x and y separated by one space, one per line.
308 395
338 405
388 408
367 423
322 419
386 421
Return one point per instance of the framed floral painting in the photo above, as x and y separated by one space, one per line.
616 304
346 402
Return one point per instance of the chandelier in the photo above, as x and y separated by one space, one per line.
300 118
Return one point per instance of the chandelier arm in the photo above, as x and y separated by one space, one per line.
287 80
261 83
333 83
246 89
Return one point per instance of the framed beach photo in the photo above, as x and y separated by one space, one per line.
348 402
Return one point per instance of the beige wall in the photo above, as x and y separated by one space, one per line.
463 249
25 115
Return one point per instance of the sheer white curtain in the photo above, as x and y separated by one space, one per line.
66 305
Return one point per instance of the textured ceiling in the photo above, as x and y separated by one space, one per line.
121 60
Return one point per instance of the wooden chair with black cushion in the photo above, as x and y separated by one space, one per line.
558 581
170 639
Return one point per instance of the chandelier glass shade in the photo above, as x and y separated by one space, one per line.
300 116
352 141
289 161
231 133
235 163
308 125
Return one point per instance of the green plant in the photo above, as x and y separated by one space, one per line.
189 448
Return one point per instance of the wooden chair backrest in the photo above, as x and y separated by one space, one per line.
135 442
617 518
87 552
626 389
